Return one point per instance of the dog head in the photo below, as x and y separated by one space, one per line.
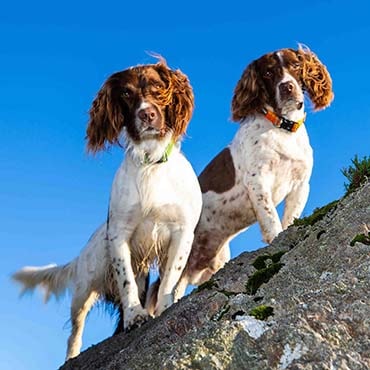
278 81
147 101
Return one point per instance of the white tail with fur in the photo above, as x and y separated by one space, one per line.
85 276
51 278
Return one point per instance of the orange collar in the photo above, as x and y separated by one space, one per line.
282 122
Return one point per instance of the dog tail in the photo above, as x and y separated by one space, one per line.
52 279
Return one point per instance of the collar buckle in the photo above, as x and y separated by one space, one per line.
281 122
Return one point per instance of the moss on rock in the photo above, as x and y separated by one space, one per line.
317 215
361 238
262 276
260 262
262 312
208 285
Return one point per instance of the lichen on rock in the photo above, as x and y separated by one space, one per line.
320 301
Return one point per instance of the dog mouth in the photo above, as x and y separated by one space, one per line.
150 132
149 129
292 103
289 107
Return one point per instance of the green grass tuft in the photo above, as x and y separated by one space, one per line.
357 174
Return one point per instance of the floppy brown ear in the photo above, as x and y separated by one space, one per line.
181 108
316 79
106 117
249 96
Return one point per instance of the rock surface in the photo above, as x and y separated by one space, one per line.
305 308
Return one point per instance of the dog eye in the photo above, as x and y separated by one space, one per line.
157 87
296 65
268 74
126 93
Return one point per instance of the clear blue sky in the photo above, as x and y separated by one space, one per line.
54 56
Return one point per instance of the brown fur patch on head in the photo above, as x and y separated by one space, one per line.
219 175
117 101
180 100
256 87
316 79
249 95
106 116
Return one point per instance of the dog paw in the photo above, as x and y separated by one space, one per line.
135 318
269 237
139 321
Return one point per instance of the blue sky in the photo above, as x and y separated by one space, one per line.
54 58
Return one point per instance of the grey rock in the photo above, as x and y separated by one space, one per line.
320 297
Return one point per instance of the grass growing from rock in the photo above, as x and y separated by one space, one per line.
357 174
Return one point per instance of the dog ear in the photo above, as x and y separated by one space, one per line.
316 79
248 97
181 107
106 117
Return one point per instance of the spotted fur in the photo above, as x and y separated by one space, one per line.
154 206
268 164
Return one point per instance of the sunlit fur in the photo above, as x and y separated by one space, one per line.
154 205
271 164
251 94
112 110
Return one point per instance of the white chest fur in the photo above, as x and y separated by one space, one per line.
154 209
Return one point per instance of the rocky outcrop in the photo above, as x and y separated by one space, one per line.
301 303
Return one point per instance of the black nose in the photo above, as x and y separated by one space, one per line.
286 88
148 114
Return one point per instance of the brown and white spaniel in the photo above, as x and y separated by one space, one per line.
155 200
269 160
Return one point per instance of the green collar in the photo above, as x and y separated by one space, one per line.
164 157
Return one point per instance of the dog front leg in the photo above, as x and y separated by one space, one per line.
294 204
178 253
264 208
134 314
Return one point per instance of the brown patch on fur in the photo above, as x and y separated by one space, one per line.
114 107
249 97
296 174
256 87
219 175
316 79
